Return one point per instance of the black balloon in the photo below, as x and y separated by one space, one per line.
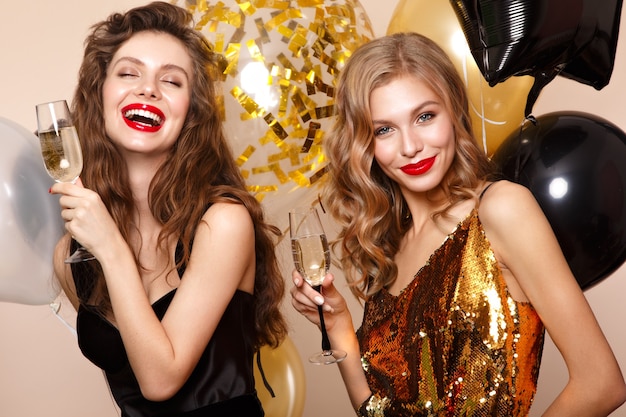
576 39
575 165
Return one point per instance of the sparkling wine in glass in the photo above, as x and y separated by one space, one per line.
60 149
311 256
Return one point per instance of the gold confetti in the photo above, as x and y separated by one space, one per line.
276 128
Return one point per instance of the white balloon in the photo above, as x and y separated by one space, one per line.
30 220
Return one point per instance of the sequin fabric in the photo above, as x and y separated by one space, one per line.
453 342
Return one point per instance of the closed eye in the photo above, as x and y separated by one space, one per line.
124 74
172 81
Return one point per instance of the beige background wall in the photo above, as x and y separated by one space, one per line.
42 373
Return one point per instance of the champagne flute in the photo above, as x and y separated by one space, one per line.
61 152
311 256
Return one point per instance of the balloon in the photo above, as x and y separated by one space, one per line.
497 110
285 374
575 165
30 219
573 38
279 66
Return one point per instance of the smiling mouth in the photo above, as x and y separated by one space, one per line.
420 168
143 117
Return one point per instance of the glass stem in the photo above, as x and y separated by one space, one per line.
325 341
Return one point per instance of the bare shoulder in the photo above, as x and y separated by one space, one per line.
226 237
228 218
506 202
511 218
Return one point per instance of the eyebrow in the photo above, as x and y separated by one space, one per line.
139 62
417 109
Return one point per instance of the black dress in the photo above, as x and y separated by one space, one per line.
222 384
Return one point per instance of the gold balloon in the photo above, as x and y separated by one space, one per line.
280 62
284 372
496 111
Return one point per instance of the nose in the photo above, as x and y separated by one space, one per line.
411 143
148 88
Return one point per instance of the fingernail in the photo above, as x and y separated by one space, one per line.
328 309
319 300
50 190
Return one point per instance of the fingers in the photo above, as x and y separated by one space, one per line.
301 285
297 278
83 212
307 292
64 188
304 306
67 188
306 299
328 284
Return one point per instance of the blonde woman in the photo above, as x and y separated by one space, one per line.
460 274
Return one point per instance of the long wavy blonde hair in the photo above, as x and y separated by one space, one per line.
370 209
199 171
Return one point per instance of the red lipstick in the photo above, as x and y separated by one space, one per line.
419 168
143 117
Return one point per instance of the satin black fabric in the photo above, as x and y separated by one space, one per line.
221 384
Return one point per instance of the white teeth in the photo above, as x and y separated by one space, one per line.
156 120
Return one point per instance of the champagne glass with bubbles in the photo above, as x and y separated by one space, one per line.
311 256
61 152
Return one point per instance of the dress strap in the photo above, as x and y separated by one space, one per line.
482 193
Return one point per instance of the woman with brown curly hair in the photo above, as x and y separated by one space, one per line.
185 287
459 273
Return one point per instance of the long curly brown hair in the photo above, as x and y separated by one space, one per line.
369 207
200 169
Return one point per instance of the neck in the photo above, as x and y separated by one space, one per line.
424 204
141 172
148 228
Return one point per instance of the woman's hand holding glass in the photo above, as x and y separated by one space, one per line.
306 300
311 256
61 152
86 218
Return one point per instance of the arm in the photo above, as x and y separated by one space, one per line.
340 330
164 353
536 271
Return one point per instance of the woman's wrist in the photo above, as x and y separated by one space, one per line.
342 332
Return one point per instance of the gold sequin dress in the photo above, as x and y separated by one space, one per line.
453 342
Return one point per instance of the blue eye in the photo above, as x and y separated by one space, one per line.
425 117
382 131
